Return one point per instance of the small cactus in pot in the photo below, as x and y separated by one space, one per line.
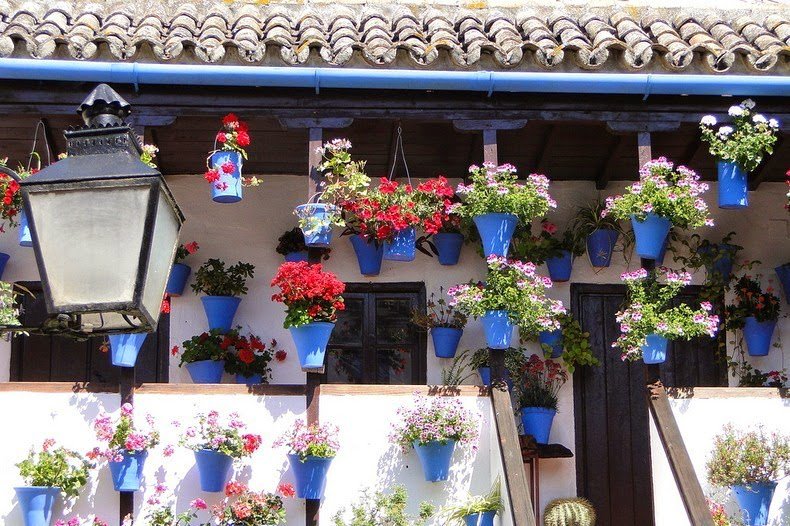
569 512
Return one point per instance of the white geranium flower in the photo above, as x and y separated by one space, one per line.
735 111
759 119
773 123
748 104
708 120
724 131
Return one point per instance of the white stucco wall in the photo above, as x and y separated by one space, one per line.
700 419
248 231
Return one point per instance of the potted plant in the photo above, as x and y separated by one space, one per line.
755 312
127 447
495 201
560 251
783 271
599 231
205 355
48 473
180 272
445 323
433 426
243 507
222 288
478 510
11 209
248 358
291 245
310 453
749 462
216 446
447 238
739 149
385 509
567 512
161 514
570 343
125 347
312 298
513 294
223 165
663 197
537 394
718 260
514 360
649 320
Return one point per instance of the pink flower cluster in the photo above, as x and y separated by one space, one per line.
435 419
211 433
313 440
122 436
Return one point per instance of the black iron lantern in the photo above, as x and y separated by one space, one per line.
104 224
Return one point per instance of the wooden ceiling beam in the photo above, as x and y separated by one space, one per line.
550 138
767 166
606 172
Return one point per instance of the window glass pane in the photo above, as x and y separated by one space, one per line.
394 366
348 329
393 322
344 366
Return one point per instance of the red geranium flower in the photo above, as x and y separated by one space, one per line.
246 356
251 442
211 175
234 489
280 355
286 490
228 167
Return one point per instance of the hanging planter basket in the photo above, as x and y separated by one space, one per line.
127 474
310 475
220 311
445 341
435 458
651 235
124 348
560 267
496 231
402 247
448 246
758 336
214 469
733 189
655 350
36 503
228 188
206 371
369 255
311 341
316 220
498 329
600 246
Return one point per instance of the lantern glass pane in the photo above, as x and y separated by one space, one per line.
90 241
163 250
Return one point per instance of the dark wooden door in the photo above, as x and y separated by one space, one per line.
61 359
374 341
613 465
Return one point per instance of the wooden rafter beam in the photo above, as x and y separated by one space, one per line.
606 172
767 166
550 138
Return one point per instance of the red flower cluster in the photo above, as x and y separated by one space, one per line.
286 490
234 137
308 292
251 443
12 199
234 489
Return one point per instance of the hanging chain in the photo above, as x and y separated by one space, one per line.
399 148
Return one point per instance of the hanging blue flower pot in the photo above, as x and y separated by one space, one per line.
206 371
758 335
755 502
214 469
445 341
25 239
402 247
496 231
497 328
253 379
783 271
228 188
36 503
650 235
600 246
127 473
369 255
537 422
485 518
294 257
220 311
553 339
723 263
177 281
448 245
661 255
125 347
733 192
311 341
655 350
485 377
310 475
3 262
317 220
560 267
435 458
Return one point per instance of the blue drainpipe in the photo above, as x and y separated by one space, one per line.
489 82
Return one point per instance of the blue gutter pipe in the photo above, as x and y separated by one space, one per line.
424 80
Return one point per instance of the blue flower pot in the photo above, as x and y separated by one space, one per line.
220 311
783 271
448 245
553 339
445 341
758 335
755 502
254 379
661 255
318 231
3 262
435 458
537 422
25 239
496 231
125 347
177 281
206 371
485 377
127 473
369 255
228 188
311 341
733 192
36 503
497 328
214 469
310 476
294 257
655 350
480 519
723 265
600 246
650 235
560 266
402 247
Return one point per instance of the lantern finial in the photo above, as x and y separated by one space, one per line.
104 107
